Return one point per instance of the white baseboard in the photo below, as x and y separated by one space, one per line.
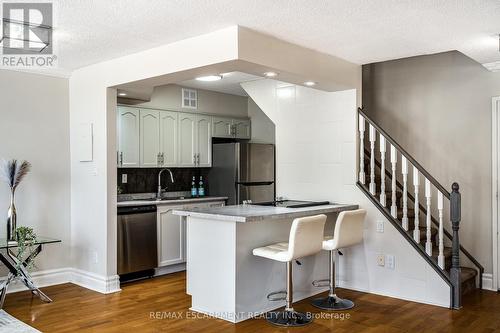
45 278
170 269
488 281
51 277
343 284
96 282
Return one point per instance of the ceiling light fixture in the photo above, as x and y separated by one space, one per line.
270 74
209 78
310 83
122 94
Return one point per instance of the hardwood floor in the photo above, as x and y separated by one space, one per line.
140 306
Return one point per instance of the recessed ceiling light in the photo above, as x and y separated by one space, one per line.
209 78
310 83
270 74
122 94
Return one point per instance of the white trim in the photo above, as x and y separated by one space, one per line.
495 109
343 284
99 283
488 282
43 279
88 280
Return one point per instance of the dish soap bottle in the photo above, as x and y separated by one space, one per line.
194 190
201 188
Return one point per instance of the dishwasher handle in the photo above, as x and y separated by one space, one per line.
129 210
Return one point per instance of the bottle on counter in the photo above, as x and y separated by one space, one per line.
194 190
201 187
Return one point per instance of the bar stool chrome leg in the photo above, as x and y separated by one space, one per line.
332 302
289 317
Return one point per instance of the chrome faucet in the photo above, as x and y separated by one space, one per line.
158 194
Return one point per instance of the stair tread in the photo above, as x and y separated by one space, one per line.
467 273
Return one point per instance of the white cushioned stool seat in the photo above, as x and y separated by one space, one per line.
278 252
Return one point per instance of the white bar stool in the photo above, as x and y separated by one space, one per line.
306 237
348 232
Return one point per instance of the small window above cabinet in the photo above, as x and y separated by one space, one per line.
233 128
189 98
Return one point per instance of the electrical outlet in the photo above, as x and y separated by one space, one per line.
381 260
124 178
389 259
95 257
380 226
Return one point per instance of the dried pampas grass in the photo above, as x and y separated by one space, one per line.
13 172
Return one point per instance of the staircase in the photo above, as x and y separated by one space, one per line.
385 169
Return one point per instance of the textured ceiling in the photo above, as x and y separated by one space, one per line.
361 31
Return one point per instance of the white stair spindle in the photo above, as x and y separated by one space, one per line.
361 128
416 231
382 170
404 171
440 234
428 242
394 159
373 187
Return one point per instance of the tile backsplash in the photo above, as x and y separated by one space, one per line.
145 180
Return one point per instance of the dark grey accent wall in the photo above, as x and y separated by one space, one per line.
438 107
145 180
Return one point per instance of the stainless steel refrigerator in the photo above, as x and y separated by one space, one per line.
243 171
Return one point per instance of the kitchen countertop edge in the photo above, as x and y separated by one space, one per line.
272 212
132 203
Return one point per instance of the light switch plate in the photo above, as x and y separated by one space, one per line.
124 178
381 260
380 226
389 259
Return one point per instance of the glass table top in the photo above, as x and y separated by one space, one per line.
40 240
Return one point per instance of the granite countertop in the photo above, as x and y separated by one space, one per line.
129 203
250 213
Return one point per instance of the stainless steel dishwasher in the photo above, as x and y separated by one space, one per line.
137 239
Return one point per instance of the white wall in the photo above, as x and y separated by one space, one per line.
263 129
34 126
170 97
316 160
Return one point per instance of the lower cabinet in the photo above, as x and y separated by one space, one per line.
172 232
171 236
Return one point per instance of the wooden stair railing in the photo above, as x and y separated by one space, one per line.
400 217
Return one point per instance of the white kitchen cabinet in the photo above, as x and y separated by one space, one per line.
172 242
204 141
150 138
187 139
128 137
234 128
242 128
171 236
222 127
169 138
195 140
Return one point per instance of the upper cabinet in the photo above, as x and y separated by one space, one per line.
195 140
224 127
169 141
204 141
187 139
158 138
150 138
128 137
242 129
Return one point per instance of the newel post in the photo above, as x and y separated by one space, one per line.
455 216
